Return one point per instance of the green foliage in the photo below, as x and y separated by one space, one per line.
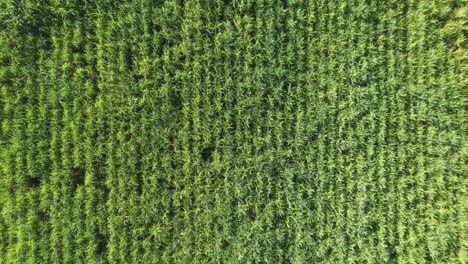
233 131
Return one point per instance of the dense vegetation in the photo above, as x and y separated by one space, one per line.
246 131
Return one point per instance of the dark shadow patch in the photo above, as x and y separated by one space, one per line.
251 214
161 182
175 99
33 182
182 58
8 80
77 177
105 191
234 125
137 78
23 100
298 179
5 60
101 241
207 154
224 244
393 256
78 49
42 215
33 20
405 8
129 58
157 28
168 185
161 247
285 90
139 185
175 164
345 151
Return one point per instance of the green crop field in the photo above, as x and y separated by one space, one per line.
244 131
